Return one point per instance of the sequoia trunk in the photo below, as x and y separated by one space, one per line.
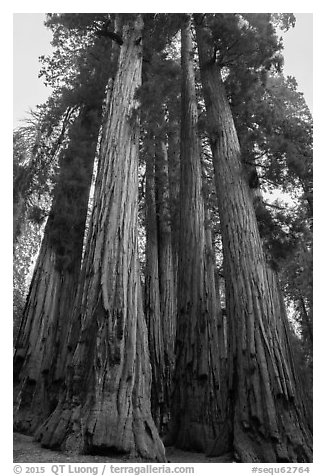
160 292
196 412
106 406
152 295
174 188
166 274
265 404
40 350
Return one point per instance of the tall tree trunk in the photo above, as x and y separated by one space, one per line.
306 321
196 412
40 350
222 347
152 294
166 274
265 404
160 291
106 405
174 187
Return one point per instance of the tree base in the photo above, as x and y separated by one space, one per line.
251 446
67 429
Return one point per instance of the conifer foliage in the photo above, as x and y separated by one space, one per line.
158 312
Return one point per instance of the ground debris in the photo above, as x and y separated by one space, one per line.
28 451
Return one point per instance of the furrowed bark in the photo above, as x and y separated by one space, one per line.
40 354
160 293
265 403
196 412
106 405
152 294
174 186
166 275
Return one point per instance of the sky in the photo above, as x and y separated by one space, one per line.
298 54
31 39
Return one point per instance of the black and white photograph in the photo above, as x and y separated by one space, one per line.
162 242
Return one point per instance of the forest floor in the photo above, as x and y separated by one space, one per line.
28 451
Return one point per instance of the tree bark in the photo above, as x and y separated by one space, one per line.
160 289
40 348
306 321
106 405
265 403
174 188
152 294
196 412
166 274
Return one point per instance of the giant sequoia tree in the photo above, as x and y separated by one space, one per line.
156 94
197 412
39 360
106 404
40 357
160 293
266 410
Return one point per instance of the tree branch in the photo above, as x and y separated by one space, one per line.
104 31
